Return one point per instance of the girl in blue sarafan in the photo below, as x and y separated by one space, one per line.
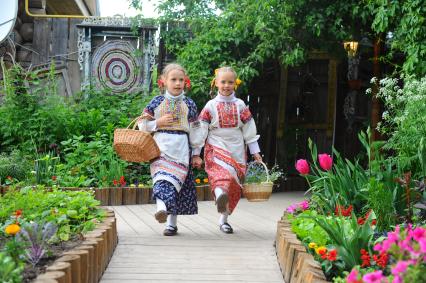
172 117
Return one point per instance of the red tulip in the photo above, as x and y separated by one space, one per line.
302 166
325 161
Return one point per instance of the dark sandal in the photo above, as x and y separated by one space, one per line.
161 216
170 231
226 228
222 203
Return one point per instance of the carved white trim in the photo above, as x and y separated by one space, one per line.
107 21
80 42
151 51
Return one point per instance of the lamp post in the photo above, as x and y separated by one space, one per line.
354 84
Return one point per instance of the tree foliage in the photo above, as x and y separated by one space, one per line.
247 34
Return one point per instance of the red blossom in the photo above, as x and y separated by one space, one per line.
9 178
332 255
18 213
187 82
115 182
381 260
360 221
53 178
341 210
365 257
122 181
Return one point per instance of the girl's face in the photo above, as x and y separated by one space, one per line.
175 82
225 83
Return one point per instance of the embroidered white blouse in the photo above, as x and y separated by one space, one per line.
226 122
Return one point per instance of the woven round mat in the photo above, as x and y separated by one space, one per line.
115 67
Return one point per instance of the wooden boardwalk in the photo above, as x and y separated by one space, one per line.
200 252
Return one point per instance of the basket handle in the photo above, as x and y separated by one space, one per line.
134 123
266 169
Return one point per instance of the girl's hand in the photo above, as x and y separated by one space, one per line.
257 157
197 161
166 120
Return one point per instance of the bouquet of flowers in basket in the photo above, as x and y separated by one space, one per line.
259 181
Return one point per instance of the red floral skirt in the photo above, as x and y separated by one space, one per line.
221 177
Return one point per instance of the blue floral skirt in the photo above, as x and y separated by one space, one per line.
182 203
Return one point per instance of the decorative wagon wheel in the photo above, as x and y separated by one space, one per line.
115 67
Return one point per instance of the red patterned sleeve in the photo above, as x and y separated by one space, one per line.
245 115
205 116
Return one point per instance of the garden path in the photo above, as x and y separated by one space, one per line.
200 252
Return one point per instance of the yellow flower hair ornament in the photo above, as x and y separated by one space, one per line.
237 83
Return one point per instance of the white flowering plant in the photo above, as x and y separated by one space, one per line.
404 118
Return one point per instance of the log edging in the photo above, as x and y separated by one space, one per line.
297 265
86 262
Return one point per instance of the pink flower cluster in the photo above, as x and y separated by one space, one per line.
325 161
407 246
304 205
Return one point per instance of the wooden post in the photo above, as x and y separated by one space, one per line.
129 196
58 276
90 261
142 195
84 255
74 260
64 267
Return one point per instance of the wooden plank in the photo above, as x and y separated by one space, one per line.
41 43
59 39
200 252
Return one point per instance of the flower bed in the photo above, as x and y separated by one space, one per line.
87 261
38 227
360 225
297 265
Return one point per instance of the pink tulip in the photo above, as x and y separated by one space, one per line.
325 161
302 166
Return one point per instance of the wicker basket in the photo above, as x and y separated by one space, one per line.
135 146
255 192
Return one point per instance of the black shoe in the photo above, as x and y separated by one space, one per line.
226 228
170 231
222 203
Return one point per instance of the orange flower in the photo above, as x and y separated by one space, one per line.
12 229
197 181
206 180
321 250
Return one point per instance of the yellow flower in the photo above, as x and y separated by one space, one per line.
12 229
312 245
216 71
140 185
197 181
132 185
206 180
238 82
321 250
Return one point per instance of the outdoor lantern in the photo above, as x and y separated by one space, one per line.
351 47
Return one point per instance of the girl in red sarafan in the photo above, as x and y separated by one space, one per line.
227 126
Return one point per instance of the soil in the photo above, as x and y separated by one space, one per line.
54 252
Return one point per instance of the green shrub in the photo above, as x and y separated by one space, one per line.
10 272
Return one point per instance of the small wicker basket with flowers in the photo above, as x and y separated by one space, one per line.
259 181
